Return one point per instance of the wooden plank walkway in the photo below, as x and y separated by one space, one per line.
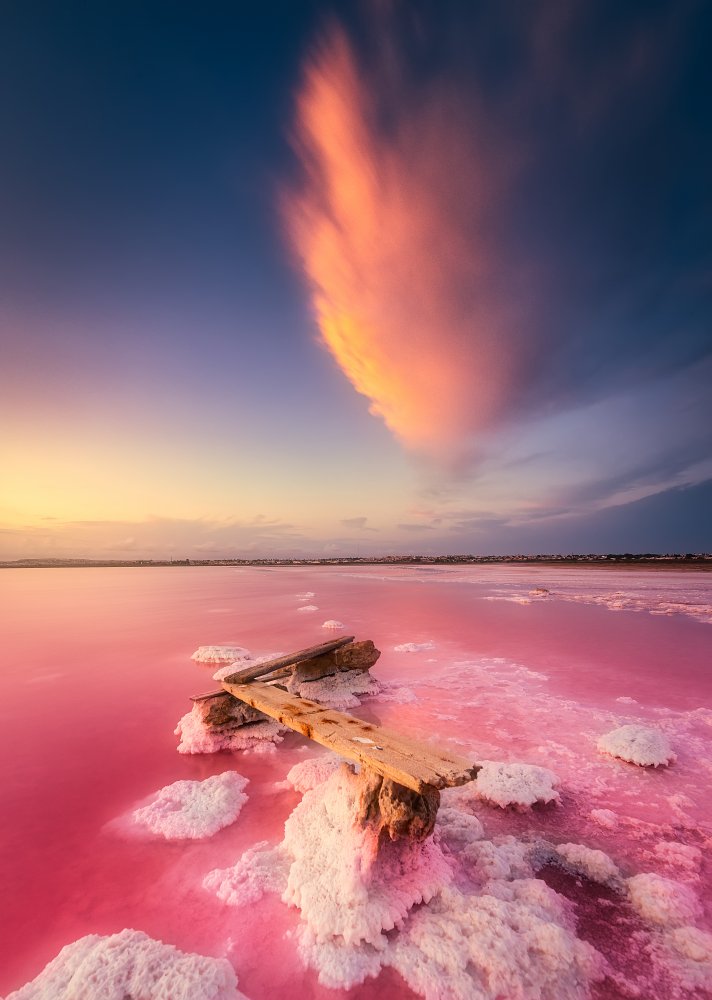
413 763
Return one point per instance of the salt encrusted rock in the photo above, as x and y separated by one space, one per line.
593 864
395 811
637 745
227 711
131 964
518 785
662 901
193 809
221 654
345 887
196 737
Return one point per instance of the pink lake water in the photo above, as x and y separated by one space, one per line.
97 671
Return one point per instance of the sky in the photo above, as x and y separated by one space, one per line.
320 278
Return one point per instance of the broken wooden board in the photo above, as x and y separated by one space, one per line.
417 765
250 673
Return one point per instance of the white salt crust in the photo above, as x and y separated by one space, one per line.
671 909
195 737
488 929
131 964
341 690
517 785
595 865
413 647
605 818
220 654
332 623
262 869
313 771
308 607
193 809
637 745
662 901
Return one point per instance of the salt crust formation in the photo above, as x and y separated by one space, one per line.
342 690
131 964
413 647
313 771
595 865
672 908
332 623
517 785
458 916
637 745
220 654
193 809
662 901
605 818
308 607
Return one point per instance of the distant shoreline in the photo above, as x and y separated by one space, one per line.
701 560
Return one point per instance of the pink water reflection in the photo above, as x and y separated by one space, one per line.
97 670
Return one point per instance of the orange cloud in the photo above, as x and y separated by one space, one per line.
395 225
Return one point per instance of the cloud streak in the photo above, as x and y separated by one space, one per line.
394 223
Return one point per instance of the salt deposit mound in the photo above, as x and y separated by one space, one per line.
308 607
637 745
413 647
342 690
332 623
313 771
220 654
131 964
594 864
459 917
193 809
517 785
662 901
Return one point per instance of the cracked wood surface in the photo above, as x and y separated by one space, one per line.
405 760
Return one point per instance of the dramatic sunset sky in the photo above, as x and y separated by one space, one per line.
312 278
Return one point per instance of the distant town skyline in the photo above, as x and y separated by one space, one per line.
332 278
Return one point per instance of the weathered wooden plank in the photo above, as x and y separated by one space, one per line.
250 673
408 762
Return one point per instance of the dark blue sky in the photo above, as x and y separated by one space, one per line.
535 230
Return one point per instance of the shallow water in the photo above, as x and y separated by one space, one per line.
97 671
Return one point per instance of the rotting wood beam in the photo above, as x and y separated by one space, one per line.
251 673
416 765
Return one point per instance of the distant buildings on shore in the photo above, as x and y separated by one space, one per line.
610 558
